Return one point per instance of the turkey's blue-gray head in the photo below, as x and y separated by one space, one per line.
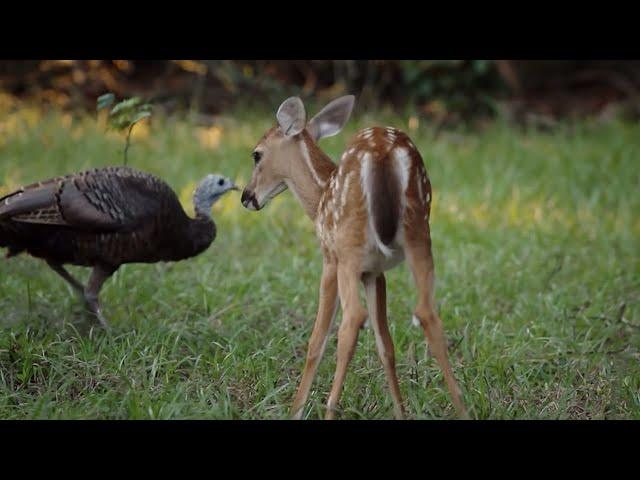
210 189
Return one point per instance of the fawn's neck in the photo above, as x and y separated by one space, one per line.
310 176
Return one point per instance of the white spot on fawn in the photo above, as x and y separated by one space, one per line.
345 191
391 134
367 133
420 193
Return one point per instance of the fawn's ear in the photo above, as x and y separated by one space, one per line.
331 118
291 116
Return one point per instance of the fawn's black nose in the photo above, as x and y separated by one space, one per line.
246 196
249 201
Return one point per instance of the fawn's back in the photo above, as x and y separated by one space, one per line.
379 191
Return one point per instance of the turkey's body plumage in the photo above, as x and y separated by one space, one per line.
101 218
109 216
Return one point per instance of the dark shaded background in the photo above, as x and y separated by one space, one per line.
448 91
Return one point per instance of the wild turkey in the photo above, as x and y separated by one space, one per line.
106 217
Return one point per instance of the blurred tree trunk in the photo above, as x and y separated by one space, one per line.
509 75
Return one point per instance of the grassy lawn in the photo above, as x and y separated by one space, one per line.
536 241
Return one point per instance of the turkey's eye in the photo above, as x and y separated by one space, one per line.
221 182
256 156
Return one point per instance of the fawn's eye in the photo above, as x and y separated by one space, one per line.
256 156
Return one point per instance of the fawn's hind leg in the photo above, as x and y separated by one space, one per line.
353 317
421 264
376 292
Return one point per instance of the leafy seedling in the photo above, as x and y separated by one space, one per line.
124 115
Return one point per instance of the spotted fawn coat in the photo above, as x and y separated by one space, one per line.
379 191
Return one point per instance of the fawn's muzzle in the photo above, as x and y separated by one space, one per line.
249 200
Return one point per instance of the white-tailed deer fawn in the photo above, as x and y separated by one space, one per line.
370 212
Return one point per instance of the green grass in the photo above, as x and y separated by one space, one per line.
537 259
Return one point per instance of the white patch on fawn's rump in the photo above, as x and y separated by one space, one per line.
402 166
378 257
365 183
415 321
365 173
391 256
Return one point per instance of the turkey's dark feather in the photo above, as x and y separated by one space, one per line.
114 198
24 203
109 216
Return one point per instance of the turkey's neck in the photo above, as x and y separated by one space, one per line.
201 233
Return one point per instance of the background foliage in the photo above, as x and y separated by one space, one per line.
445 91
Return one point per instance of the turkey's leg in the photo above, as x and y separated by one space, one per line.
60 270
99 275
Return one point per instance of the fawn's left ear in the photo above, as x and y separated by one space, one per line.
331 118
291 116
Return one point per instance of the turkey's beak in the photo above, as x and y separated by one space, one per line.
235 187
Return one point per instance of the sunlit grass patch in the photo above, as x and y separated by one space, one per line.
535 238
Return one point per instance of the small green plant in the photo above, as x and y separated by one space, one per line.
124 115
